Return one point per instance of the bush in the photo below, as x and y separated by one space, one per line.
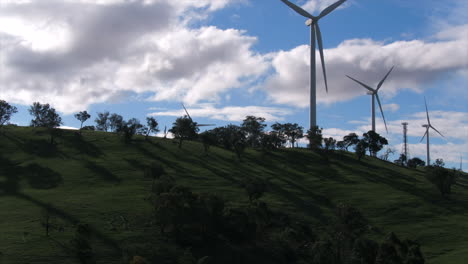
442 178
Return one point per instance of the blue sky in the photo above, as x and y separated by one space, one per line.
225 59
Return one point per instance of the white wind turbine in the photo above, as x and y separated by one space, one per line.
427 126
314 32
375 94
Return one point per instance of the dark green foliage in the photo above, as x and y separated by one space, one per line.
184 129
360 149
129 128
439 163
208 138
89 128
82 117
315 138
330 144
270 141
374 142
255 188
288 132
231 137
253 128
45 116
102 121
152 126
442 178
415 162
350 140
6 111
116 122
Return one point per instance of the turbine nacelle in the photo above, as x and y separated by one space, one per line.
309 22
370 93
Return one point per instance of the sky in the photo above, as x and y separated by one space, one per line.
226 59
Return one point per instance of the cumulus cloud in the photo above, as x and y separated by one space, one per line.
78 52
230 113
417 63
391 107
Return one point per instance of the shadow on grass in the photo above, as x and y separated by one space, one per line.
9 176
102 172
76 141
40 177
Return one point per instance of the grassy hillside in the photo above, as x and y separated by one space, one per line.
99 180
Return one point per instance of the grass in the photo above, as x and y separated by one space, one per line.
99 180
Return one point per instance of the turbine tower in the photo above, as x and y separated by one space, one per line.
375 94
427 126
314 33
405 140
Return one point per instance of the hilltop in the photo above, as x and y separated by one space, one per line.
99 180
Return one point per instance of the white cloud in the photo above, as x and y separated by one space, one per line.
417 63
108 50
391 107
230 113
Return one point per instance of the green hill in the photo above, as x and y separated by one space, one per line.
99 180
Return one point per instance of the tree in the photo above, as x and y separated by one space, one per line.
184 129
402 160
152 126
330 143
82 117
129 129
102 121
374 141
293 132
360 149
439 163
442 178
6 111
278 130
253 127
45 116
116 122
208 139
315 138
350 140
341 145
415 162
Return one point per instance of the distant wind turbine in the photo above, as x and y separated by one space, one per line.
427 126
198 125
314 32
375 94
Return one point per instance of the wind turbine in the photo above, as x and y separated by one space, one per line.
427 126
375 94
198 125
314 32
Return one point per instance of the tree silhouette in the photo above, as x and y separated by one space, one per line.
415 162
184 129
253 127
102 121
116 122
315 138
330 143
45 116
374 142
129 129
360 149
82 117
6 111
152 126
350 140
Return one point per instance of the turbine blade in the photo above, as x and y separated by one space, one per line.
427 112
206 125
187 112
320 45
298 9
363 84
381 111
329 9
437 131
383 80
424 135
